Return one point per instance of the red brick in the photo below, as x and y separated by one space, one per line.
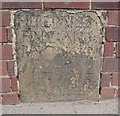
115 79
5 82
10 99
21 5
118 49
110 64
118 92
3 68
5 18
108 49
81 4
14 84
9 33
3 35
113 18
6 34
6 52
112 33
11 71
96 4
105 80
107 92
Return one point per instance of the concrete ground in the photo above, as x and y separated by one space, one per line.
77 107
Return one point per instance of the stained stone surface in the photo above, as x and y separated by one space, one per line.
58 54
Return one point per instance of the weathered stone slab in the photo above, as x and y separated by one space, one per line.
58 54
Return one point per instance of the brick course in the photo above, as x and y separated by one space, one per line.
14 83
11 68
105 80
108 49
10 99
6 84
9 34
20 5
112 34
7 53
107 93
110 64
5 18
59 4
3 35
105 5
115 79
3 68
113 18
6 35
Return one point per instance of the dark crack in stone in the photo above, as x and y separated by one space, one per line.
58 54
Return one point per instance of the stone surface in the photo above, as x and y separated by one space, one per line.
58 54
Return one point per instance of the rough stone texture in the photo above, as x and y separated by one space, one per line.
58 54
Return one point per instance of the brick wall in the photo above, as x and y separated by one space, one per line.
8 79
111 57
109 83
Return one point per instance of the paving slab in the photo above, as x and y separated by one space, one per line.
77 107
103 107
